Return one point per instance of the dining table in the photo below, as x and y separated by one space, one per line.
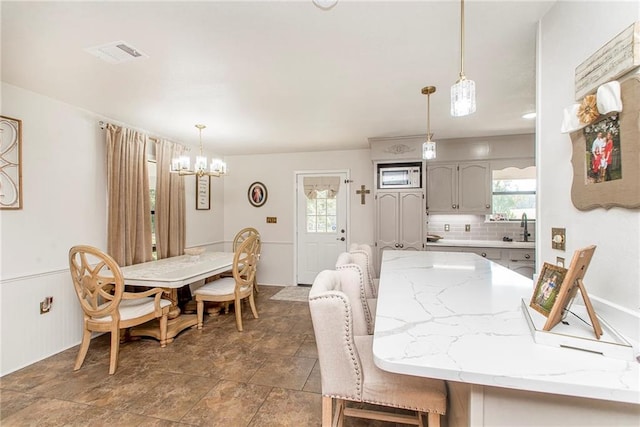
172 274
461 318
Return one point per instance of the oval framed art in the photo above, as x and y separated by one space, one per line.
257 194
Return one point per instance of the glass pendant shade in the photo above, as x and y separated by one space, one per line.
429 146
182 164
463 98
429 150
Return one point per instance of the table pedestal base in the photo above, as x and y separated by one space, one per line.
174 327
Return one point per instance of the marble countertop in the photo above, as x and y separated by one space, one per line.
457 316
483 244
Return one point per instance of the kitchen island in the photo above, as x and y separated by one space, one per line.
515 255
458 317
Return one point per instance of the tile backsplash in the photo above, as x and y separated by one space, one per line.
479 229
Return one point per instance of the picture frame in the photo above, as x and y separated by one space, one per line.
203 192
548 287
620 186
572 283
257 194
11 163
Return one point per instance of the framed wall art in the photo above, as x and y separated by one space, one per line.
257 194
10 163
606 156
203 192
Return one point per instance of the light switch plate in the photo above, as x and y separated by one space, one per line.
558 238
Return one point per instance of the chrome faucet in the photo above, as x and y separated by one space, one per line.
523 224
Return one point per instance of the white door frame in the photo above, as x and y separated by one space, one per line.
347 186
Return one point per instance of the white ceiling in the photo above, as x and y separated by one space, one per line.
280 76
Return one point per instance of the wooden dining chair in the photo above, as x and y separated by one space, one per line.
233 289
106 306
240 237
348 373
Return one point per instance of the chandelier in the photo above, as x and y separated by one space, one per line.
182 165
463 93
429 146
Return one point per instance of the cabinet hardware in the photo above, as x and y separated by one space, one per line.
527 256
342 239
484 254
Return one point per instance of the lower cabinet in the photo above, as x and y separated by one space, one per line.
521 261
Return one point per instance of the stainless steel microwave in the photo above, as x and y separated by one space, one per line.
399 176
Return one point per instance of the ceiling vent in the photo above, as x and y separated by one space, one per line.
116 52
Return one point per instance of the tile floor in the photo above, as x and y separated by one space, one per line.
267 375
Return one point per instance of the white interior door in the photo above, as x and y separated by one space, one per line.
321 222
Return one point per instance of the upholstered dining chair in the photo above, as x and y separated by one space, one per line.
106 306
233 289
364 256
347 262
347 370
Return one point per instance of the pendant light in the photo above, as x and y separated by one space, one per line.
463 93
182 165
429 146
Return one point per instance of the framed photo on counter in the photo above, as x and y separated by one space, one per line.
547 289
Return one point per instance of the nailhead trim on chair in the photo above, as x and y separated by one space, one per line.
367 262
363 296
350 344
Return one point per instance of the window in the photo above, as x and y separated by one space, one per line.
322 213
514 194
152 196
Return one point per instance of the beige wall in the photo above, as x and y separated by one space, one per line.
564 43
277 173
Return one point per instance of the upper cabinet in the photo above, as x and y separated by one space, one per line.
461 187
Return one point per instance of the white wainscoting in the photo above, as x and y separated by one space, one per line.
28 336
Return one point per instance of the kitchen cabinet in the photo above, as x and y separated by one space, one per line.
521 261
399 220
463 187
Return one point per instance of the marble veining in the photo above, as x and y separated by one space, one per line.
178 271
457 316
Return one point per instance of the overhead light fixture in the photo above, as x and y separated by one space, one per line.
463 93
325 4
429 146
182 165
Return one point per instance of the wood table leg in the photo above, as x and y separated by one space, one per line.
177 322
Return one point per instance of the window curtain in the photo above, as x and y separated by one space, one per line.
314 184
170 202
129 205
